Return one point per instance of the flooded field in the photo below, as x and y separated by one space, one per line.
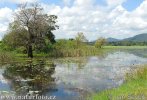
69 78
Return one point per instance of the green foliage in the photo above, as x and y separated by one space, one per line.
65 44
15 39
61 48
76 43
32 29
69 48
21 50
0 45
100 42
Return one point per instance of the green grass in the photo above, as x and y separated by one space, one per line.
135 87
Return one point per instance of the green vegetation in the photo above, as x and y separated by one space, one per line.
6 57
127 43
72 48
125 47
134 88
100 42
12 42
31 30
31 33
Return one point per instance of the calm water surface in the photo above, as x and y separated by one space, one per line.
71 78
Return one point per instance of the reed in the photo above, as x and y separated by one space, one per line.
134 87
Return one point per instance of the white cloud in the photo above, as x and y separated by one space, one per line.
96 21
5 14
112 3
23 1
67 2
131 23
18 1
83 2
86 16
5 18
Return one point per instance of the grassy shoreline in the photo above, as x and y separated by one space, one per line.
7 56
125 47
134 88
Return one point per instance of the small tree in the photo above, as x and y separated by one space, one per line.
80 38
100 42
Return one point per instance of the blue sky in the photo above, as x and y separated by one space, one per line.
96 18
128 4
132 4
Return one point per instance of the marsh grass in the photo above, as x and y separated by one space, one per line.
139 73
6 57
134 87
78 52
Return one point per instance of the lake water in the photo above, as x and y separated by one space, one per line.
70 78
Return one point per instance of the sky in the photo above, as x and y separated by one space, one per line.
95 18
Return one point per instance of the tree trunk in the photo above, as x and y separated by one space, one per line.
30 51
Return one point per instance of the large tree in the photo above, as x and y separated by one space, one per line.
35 25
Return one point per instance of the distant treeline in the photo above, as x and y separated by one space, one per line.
127 43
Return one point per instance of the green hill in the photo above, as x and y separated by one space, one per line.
137 38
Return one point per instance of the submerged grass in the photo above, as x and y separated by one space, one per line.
134 88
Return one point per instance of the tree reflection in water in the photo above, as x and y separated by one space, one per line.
31 77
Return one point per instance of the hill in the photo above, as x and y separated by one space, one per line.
112 40
137 38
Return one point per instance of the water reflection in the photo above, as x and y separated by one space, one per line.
98 73
69 78
138 52
29 78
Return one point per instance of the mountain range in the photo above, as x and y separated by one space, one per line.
136 38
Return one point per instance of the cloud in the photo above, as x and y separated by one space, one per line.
5 14
18 1
67 2
133 22
5 18
112 3
95 21
23 1
111 20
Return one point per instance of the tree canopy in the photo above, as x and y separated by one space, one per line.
100 42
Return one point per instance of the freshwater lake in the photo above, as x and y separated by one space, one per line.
70 78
